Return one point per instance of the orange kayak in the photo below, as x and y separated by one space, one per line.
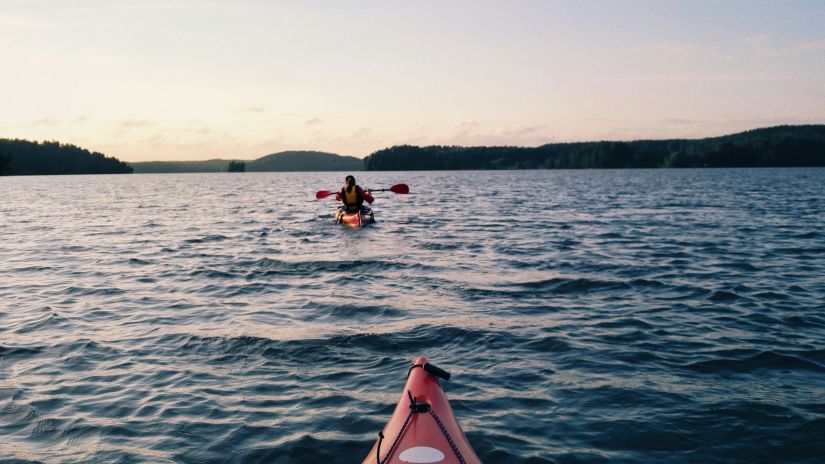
422 428
355 219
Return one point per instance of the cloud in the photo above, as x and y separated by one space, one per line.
361 133
802 48
691 78
471 133
80 119
48 121
517 131
465 129
318 136
757 41
254 109
312 121
687 49
10 22
134 124
599 120
681 121
674 48
157 140
764 45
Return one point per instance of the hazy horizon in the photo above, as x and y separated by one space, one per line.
182 80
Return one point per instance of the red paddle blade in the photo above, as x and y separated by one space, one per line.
321 194
400 188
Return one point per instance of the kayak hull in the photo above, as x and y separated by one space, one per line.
355 219
431 434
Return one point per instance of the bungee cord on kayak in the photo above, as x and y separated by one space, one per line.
448 437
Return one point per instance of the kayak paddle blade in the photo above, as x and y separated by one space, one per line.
400 188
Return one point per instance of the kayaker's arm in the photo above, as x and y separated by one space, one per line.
367 196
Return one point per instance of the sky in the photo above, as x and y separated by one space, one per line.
184 79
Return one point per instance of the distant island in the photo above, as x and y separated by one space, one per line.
25 158
769 147
287 161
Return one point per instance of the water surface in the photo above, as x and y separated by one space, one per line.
586 316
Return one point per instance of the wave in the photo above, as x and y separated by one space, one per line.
52 320
206 239
769 360
562 287
87 291
8 352
265 267
724 296
350 310
419 339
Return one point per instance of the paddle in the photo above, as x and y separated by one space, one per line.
402 189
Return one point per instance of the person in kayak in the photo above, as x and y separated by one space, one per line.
353 196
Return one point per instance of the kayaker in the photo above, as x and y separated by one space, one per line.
353 196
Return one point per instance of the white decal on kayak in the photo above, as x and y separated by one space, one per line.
422 454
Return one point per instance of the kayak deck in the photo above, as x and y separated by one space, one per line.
422 428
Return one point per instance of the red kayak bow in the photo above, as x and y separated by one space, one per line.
423 428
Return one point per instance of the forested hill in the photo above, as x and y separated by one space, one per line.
305 161
22 157
283 161
774 146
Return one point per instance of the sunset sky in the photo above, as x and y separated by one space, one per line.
180 79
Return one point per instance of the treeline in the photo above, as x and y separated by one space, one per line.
22 158
4 165
775 146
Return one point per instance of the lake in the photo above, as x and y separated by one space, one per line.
586 316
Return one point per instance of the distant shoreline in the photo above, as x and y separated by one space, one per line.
288 161
779 146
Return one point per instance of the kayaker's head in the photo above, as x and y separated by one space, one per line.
349 181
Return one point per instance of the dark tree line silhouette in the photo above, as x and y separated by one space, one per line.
22 157
236 166
775 146
4 164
